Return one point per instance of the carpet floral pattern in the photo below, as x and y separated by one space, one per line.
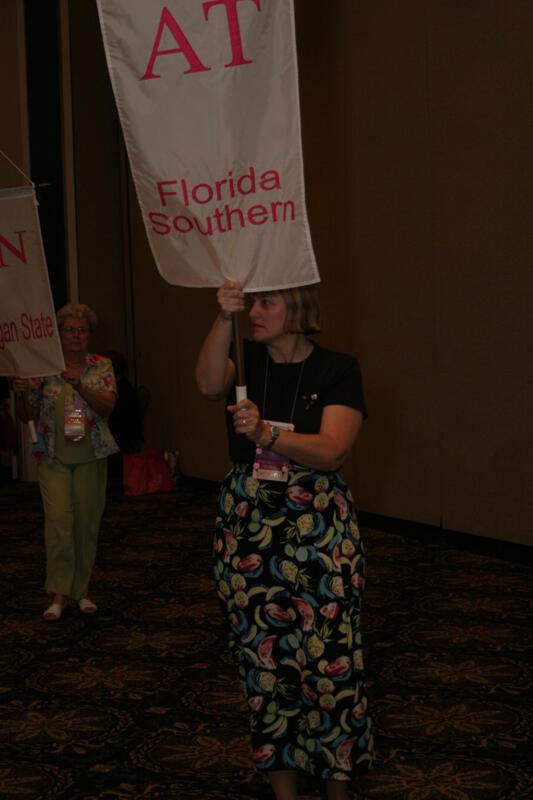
140 701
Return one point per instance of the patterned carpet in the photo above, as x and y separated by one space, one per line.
139 702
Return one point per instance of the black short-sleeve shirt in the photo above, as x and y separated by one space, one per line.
302 389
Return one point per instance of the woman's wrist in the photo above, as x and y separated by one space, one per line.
269 435
264 435
227 316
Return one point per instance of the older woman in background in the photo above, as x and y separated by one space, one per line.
74 441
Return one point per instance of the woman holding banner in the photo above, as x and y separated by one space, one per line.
74 441
289 561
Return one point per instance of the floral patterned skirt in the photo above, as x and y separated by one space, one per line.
289 567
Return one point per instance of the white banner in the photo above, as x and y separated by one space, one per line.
29 341
207 93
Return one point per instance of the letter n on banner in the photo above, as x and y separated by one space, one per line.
29 341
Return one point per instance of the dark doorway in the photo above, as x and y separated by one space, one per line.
44 110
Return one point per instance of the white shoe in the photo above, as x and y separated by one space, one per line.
54 612
87 606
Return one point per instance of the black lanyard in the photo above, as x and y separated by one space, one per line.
300 373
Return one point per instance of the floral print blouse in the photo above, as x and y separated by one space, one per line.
43 393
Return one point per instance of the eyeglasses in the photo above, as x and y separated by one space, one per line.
79 331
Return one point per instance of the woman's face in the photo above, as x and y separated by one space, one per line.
74 335
268 312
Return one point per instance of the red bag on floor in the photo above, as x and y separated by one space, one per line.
145 473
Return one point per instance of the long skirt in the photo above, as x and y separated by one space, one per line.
289 567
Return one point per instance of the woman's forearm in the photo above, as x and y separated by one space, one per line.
319 451
215 372
100 402
325 450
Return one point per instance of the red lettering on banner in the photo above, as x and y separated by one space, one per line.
185 47
279 211
20 254
40 327
202 193
274 207
217 214
196 193
229 214
233 26
257 215
188 222
227 217
8 333
162 193
287 205
270 180
161 220
251 178
219 185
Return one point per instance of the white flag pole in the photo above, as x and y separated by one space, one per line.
240 383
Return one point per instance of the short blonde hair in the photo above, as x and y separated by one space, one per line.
304 314
78 311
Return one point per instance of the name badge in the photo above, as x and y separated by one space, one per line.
271 466
74 418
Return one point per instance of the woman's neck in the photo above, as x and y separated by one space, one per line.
76 359
290 348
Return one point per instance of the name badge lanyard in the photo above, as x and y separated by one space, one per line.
75 413
269 465
300 373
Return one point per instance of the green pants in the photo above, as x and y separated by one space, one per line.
74 500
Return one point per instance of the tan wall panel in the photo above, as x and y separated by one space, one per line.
391 259
481 115
325 97
323 93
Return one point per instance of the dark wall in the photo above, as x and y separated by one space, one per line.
14 138
102 229
44 112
